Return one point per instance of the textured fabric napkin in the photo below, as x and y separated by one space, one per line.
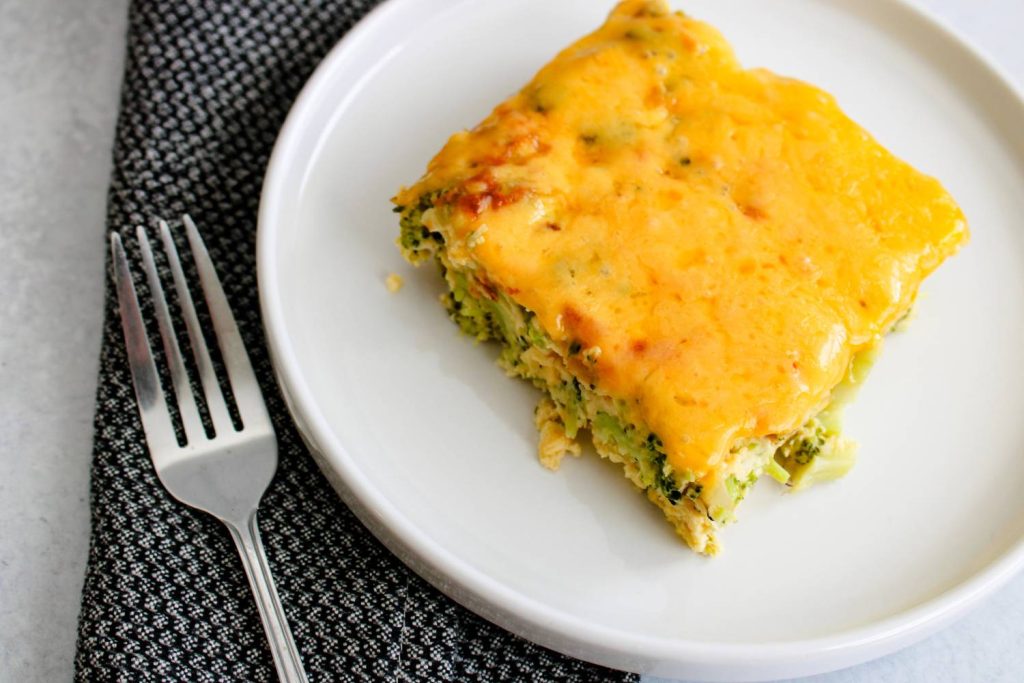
207 86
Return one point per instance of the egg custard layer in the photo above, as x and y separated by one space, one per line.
694 260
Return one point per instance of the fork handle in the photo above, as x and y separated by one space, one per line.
279 635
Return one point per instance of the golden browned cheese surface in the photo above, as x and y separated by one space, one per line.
717 241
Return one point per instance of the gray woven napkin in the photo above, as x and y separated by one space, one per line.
206 87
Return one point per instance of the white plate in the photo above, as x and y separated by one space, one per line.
434 448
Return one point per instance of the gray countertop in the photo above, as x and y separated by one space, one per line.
60 70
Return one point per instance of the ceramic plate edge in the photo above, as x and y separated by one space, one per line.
522 615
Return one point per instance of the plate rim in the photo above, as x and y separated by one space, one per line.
519 613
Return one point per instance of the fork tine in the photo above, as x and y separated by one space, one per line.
190 419
207 377
239 368
156 418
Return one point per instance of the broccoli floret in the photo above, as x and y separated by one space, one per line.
648 454
414 233
808 449
815 453
738 488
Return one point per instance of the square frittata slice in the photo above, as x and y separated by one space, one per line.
694 261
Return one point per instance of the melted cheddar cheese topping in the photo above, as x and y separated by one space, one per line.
711 245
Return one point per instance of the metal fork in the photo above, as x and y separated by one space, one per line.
224 474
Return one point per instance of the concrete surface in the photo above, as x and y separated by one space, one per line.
60 71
